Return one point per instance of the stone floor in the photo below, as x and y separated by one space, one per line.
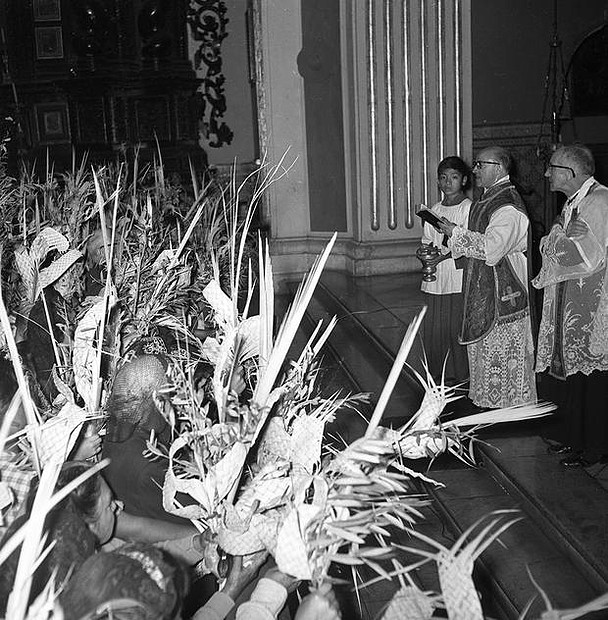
385 305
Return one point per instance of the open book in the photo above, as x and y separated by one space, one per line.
428 216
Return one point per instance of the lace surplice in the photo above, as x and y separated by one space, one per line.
573 334
502 363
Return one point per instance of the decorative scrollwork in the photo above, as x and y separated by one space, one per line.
207 20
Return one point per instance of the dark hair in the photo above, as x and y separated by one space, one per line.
455 163
66 525
8 383
85 497
149 577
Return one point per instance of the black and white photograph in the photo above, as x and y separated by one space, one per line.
303 309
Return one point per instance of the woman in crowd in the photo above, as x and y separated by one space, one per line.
132 416
141 582
87 519
53 313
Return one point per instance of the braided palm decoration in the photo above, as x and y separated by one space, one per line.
455 565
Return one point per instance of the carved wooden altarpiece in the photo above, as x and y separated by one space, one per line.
105 77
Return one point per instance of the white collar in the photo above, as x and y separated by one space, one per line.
572 202
582 191
505 178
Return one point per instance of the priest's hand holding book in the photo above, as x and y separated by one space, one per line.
445 226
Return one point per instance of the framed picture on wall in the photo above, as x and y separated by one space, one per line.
47 10
53 123
49 42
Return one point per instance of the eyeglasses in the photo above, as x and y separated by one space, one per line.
562 167
480 162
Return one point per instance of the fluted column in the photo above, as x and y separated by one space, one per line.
406 104
410 88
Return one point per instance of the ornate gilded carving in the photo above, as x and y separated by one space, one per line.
207 20
154 29
90 23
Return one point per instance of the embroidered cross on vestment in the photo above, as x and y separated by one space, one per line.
511 296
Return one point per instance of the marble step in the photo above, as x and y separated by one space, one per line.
350 363
558 554
571 505
526 548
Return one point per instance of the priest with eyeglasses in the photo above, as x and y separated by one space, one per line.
573 333
496 324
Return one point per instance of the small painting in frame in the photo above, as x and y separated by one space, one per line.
53 124
47 10
49 42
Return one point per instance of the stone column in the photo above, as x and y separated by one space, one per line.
406 104
281 123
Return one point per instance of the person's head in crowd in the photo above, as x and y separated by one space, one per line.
491 164
131 404
77 526
95 260
136 581
93 500
453 176
569 167
142 582
69 283
95 248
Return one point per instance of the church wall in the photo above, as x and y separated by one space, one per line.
404 82
319 65
510 52
510 46
239 115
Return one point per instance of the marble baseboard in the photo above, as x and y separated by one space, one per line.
294 257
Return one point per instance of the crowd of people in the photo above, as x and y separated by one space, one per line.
492 286
113 549
116 565
119 552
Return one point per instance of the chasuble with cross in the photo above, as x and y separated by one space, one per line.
496 323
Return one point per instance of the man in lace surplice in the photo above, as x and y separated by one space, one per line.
573 334
496 324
